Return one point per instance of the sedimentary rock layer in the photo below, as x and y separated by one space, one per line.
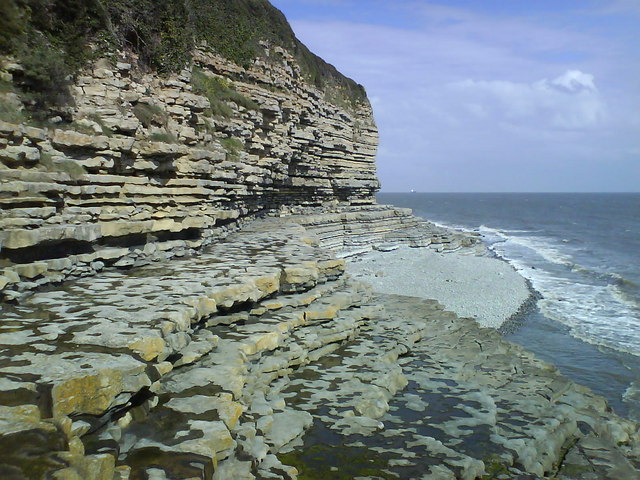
154 167
259 357
350 230
160 362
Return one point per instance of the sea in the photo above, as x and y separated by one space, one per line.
581 253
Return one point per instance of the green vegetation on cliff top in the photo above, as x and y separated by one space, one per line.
50 38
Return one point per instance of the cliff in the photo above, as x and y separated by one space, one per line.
137 166
176 190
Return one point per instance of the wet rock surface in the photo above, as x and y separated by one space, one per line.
259 358
156 366
470 405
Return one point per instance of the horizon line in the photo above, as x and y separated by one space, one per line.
514 192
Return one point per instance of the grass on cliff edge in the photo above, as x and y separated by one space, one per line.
219 91
50 39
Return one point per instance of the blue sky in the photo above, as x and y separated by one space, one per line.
491 95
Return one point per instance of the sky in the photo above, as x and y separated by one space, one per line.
490 95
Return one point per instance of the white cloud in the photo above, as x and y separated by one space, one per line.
569 101
575 81
466 102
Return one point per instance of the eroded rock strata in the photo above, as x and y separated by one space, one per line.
175 305
260 358
147 170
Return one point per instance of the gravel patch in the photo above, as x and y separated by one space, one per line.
486 289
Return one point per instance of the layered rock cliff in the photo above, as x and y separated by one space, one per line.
173 369
216 334
153 167
148 170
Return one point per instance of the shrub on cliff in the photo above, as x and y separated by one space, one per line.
48 38
233 146
54 35
45 78
150 115
12 24
218 91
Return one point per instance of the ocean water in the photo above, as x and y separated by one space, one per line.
581 252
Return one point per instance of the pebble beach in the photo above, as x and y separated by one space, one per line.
484 288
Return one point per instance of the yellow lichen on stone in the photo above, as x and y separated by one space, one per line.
273 305
148 348
67 474
163 368
268 284
97 467
92 394
206 307
332 267
228 410
21 413
307 272
261 341
215 439
322 313
239 292
311 241
31 270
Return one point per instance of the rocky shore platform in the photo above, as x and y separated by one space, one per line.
262 358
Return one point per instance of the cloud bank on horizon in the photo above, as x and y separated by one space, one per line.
487 95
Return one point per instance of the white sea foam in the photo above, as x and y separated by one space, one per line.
545 249
483 229
595 311
521 231
450 227
601 314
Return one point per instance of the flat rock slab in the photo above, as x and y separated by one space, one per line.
463 403
259 359
103 333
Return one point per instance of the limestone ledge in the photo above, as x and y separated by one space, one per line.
349 230
144 169
161 362
243 361
344 229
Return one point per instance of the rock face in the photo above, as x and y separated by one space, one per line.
155 167
259 358
198 324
